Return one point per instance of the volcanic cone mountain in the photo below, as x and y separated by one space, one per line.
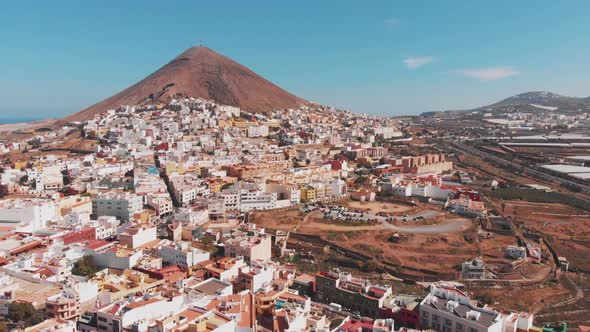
200 72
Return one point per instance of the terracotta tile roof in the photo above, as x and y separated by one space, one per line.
138 304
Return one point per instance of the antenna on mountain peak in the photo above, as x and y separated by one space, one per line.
200 42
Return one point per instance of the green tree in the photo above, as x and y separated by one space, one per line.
84 267
361 180
24 312
23 180
369 266
484 298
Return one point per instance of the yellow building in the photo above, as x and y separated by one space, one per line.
308 193
175 168
101 132
113 288
20 164
224 123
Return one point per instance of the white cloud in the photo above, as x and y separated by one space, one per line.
391 21
490 73
418 61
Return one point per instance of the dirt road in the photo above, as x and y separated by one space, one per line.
447 226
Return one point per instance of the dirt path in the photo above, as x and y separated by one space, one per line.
306 219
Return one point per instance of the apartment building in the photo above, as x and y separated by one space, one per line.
64 306
285 191
134 315
122 205
430 163
258 131
245 197
187 188
182 254
135 236
355 294
161 203
387 132
255 276
252 248
447 309
26 215
225 269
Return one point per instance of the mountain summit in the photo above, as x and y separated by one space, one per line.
200 72
528 101
540 97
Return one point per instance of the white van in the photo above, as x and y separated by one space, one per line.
335 306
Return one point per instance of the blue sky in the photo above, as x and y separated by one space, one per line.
378 57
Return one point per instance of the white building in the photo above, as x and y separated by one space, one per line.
187 188
475 269
138 314
256 276
192 216
120 259
258 131
387 132
122 205
516 252
161 203
247 197
285 191
182 254
447 309
252 248
26 215
135 236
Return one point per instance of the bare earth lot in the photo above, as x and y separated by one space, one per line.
567 228
437 245
376 207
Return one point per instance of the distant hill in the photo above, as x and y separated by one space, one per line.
528 101
200 72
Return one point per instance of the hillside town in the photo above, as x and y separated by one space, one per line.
175 217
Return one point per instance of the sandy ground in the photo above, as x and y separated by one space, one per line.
439 246
24 125
568 228
35 293
312 223
446 226
376 207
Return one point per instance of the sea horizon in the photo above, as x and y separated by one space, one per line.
20 119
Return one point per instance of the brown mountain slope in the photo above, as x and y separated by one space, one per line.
200 72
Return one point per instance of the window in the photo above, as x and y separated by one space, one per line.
102 319
424 323
435 318
448 322
471 329
459 327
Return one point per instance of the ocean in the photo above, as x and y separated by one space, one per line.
14 118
